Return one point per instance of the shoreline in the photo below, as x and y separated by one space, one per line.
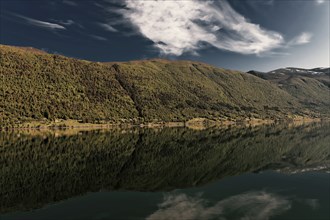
195 124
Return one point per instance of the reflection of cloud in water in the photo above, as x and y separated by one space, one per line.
252 205
313 203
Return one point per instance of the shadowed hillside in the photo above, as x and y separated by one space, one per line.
310 86
37 86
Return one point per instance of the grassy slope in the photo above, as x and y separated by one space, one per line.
311 92
182 89
41 86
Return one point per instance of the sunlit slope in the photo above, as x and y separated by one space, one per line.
183 89
39 86
35 86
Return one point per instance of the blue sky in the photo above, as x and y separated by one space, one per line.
236 34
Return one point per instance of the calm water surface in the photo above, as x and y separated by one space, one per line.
268 172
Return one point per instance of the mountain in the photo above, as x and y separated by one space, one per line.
37 86
310 86
284 74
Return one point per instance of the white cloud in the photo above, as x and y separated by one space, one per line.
42 24
303 38
253 205
319 1
108 27
176 27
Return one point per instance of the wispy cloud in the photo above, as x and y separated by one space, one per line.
176 27
268 2
39 23
253 205
107 27
98 37
67 22
71 3
319 1
303 38
256 4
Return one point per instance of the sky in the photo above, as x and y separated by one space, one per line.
236 34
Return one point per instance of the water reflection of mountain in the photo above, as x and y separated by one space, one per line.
36 170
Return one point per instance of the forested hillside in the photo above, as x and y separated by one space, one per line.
36 86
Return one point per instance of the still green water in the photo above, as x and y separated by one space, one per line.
266 172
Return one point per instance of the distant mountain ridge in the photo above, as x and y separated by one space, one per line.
292 71
39 86
310 86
